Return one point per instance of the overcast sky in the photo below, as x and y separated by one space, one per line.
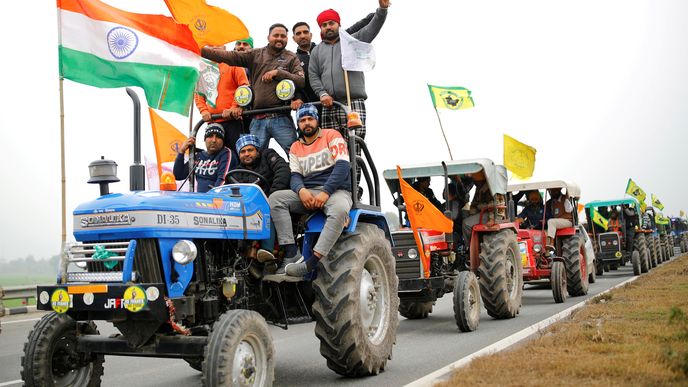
599 88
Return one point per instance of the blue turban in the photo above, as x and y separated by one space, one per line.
307 109
247 139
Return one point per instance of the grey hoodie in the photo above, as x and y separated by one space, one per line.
325 68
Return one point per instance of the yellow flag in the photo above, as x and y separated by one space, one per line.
600 220
682 213
167 139
452 98
210 25
422 214
643 206
656 203
634 190
661 219
519 158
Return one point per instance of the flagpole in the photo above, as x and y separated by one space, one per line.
443 134
62 130
346 84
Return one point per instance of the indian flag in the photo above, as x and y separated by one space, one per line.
104 46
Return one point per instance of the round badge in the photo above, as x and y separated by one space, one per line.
285 90
134 299
44 297
152 293
618 254
89 298
243 95
60 300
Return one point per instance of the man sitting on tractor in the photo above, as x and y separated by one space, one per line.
533 213
320 180
561 210
482 200
422 185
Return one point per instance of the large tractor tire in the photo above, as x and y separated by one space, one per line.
640 246
557 278
576 266
356 303
239 351
50 357
415 310
684 247
635 261
658 247
467 301
651 244
501 274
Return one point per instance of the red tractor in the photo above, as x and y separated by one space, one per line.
562 260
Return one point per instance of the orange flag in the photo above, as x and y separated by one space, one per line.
422 214
167 139
210 25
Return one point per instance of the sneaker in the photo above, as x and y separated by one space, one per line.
298 269
288 261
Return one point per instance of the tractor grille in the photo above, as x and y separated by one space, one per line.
407 267
609 241
146 266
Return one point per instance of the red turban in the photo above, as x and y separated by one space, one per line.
329 14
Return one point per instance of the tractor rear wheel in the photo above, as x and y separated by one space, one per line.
467 301
635 260
640 246
415 310
239 351
558 281
501 274
356 303
51 358
576 268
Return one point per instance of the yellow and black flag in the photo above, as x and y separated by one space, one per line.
599 220
451 97
656 203
519 158
634 190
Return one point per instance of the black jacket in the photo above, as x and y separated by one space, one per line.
271 166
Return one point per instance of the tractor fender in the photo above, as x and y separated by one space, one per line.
316 222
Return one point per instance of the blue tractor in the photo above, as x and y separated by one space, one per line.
178 275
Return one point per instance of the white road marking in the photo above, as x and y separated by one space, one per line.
18 381
440 374
18 321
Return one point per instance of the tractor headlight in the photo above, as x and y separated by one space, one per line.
603 243
412 253
184 252
537 248
615 243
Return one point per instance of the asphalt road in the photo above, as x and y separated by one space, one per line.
423 346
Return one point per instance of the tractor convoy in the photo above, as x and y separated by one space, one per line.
178 274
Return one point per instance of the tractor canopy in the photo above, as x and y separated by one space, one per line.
495 174
632 202
572 189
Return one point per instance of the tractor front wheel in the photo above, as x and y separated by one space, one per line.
51 358
467 301
635 260
558 281
576 268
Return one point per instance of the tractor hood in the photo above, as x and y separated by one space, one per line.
237 211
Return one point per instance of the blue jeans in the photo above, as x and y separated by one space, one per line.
280 128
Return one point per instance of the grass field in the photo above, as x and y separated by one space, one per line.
636 335
23 280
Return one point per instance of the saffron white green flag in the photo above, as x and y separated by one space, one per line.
356 55
106 47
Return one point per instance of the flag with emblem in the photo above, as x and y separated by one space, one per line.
519 158
452 98
599 220
167 139
682 213
422 214
210 25
656 203
661 219
634 190
107 47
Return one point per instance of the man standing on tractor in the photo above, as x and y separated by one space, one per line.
267 66
561 210
320 180
484 205
327 76
614 224
211 165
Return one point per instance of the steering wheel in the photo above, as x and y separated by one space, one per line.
258 176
